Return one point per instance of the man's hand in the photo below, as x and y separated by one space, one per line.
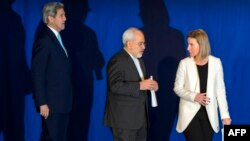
44 111
148 84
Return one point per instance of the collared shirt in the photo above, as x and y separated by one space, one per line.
137 64
59 39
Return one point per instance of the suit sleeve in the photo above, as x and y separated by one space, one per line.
179 85
221 92
39 65
118 84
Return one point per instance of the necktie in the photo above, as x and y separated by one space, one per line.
60 40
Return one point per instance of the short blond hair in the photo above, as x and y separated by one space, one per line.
202 39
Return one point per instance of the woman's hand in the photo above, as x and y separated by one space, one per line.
226 121
202 99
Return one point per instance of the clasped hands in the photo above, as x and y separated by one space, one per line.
149 84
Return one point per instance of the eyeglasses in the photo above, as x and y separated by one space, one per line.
141 44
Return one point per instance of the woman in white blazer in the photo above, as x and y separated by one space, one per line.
200 85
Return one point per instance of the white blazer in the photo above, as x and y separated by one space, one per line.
187 86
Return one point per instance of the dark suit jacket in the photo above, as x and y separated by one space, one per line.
51 73
126 105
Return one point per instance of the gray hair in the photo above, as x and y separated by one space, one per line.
129 35
50 9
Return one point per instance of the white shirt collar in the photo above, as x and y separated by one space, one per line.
134 58
54 31
137 64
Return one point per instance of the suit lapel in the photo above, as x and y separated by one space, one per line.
142 67
55 40
195 76
210 71
131 62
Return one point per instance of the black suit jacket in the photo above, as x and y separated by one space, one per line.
126 105
51 73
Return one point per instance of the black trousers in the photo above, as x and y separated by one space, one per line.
199 128
54 128
130 134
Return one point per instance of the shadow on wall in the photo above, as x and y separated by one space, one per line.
87 61
14 73
165 48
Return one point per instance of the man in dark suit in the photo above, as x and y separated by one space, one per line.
51 74
126 106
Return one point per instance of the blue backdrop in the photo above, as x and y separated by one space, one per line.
93 32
